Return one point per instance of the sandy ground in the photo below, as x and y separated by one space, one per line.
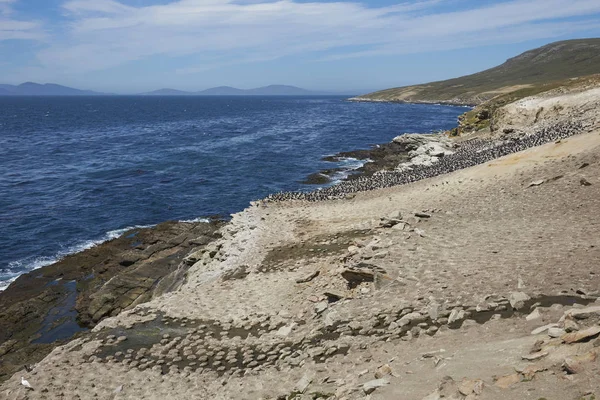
431 314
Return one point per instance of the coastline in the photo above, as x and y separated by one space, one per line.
268 241
431 102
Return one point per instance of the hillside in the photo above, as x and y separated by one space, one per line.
553 62
47 89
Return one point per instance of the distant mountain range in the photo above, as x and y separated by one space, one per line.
51 89
48 89
272 90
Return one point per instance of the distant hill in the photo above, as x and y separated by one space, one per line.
272 90
167 92
48 89
553 62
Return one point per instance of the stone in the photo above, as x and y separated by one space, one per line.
518 299
308 277
456 315
584 182
413 317
285 331
543 329
422 215
535 356
583 313
556 332
357 276
536 183
570 325
582 335
470 386
420 232
371 386
382 371
321 306
576 364
239 272
535 314
389 222
434 311
507 381
303 383
530 371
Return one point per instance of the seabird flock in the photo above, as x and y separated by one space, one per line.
468 154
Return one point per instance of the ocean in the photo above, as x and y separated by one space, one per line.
76 171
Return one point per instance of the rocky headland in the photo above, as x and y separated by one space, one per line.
467 269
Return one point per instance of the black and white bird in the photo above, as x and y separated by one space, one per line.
26 384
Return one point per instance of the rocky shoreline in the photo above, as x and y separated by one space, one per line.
474 284
53 304
457 103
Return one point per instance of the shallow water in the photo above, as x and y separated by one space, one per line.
75 171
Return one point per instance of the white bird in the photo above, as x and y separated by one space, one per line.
26 384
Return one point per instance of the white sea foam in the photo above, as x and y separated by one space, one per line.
195 220
349 165
34 262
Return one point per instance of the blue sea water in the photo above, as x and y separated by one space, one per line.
75 171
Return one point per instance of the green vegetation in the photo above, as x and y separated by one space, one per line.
531 72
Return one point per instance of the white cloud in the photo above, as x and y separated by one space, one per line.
13 28
106 33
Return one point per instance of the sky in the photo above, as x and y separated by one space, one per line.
131 46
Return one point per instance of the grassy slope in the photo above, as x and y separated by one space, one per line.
553 62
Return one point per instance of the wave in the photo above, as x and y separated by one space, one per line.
28 264
348 165
195 220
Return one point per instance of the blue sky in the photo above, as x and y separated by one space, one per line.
128 46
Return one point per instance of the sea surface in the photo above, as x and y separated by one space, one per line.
76 171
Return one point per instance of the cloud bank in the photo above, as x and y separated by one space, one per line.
101 34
